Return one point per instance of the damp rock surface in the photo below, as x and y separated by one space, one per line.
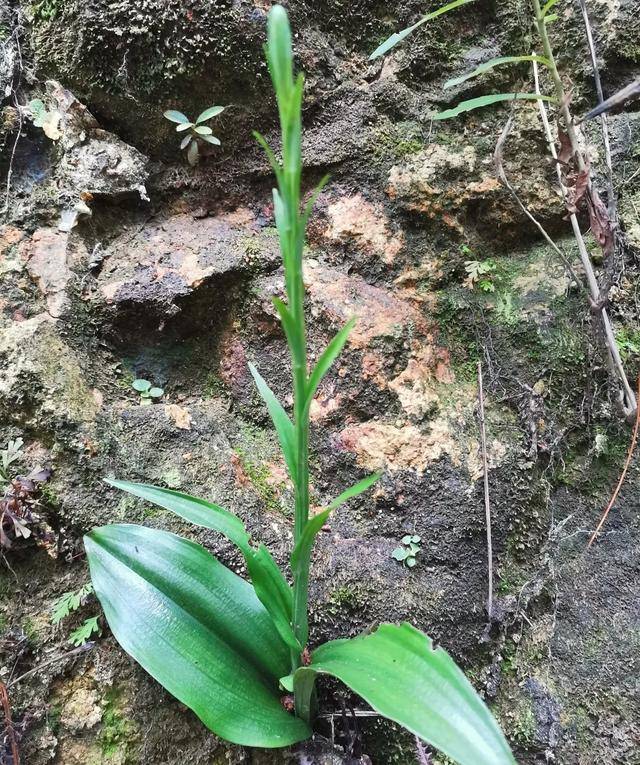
118 261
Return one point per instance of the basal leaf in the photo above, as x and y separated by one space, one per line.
354 490
282 423
392 41
328 356
210 139
183 126
197 628
493 98
207 114
175 116
273 592
186 141
494 62
203 130
197 511
398 672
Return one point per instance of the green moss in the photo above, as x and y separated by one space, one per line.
49 496
53 718
213 386
260 477
346 597
30 630
117 729
393 141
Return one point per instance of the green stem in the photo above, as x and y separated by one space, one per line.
561 96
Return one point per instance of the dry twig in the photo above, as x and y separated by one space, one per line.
487 504
626 392
632 446
8 725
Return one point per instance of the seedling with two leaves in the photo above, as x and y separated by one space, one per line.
231 649
196 132
408 552
147 391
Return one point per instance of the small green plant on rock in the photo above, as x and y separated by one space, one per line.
480 274
147 391
409 550
83 633
70 602
234 650
8 456
196 132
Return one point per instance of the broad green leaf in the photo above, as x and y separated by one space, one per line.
203 130
392 41
196 511
282 423
211 139
175 116
273 592
493 98
397 671
207 114
328 356
141 385
354 490
186 141
488 65
156 392
184 126
197 628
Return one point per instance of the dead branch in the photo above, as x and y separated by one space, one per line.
612 200
8 725
629 408
487 504
632 446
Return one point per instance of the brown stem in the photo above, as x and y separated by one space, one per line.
487 504
8 725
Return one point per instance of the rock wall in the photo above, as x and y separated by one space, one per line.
118 261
